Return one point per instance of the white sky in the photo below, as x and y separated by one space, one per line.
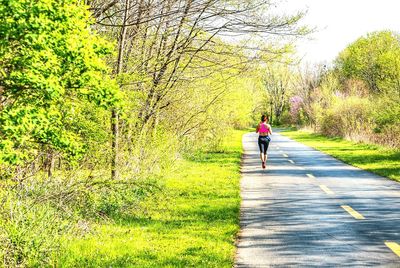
341 22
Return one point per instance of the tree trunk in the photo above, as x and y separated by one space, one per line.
114 113
114 143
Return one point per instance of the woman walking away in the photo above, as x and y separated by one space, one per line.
264 130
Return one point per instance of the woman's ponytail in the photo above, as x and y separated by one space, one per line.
264 118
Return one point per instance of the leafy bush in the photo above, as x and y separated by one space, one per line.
330 124
355 117
349 117
386 115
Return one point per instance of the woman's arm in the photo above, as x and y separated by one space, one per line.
257 128
270 129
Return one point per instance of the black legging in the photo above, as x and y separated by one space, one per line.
263 143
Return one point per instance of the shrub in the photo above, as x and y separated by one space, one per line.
386 115
36 213
347 117
30 230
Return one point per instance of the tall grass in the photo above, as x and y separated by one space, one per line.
187 216
192 223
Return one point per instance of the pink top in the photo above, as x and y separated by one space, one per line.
263 128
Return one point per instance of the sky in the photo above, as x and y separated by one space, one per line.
341 22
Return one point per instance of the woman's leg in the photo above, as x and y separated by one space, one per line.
265 152
262 156
260 145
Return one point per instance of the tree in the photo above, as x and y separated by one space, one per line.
50 62
374 59
277 81
307 80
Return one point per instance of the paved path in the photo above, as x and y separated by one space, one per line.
292 214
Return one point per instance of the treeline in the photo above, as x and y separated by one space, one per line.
98 98
356 98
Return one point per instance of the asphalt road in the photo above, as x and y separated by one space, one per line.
308 209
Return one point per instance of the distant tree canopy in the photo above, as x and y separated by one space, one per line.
374 59
358 98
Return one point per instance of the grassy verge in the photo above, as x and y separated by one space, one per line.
376 159
193 223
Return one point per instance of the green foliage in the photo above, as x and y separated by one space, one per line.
386 116
49 60
387 110
375 59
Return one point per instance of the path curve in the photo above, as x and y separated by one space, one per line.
308 209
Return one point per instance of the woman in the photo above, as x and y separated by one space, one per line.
264 130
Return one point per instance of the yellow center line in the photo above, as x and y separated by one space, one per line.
310 176
291 161
285 155
394 247
326 189
353 213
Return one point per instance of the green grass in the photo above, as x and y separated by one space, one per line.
193 223
377 159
